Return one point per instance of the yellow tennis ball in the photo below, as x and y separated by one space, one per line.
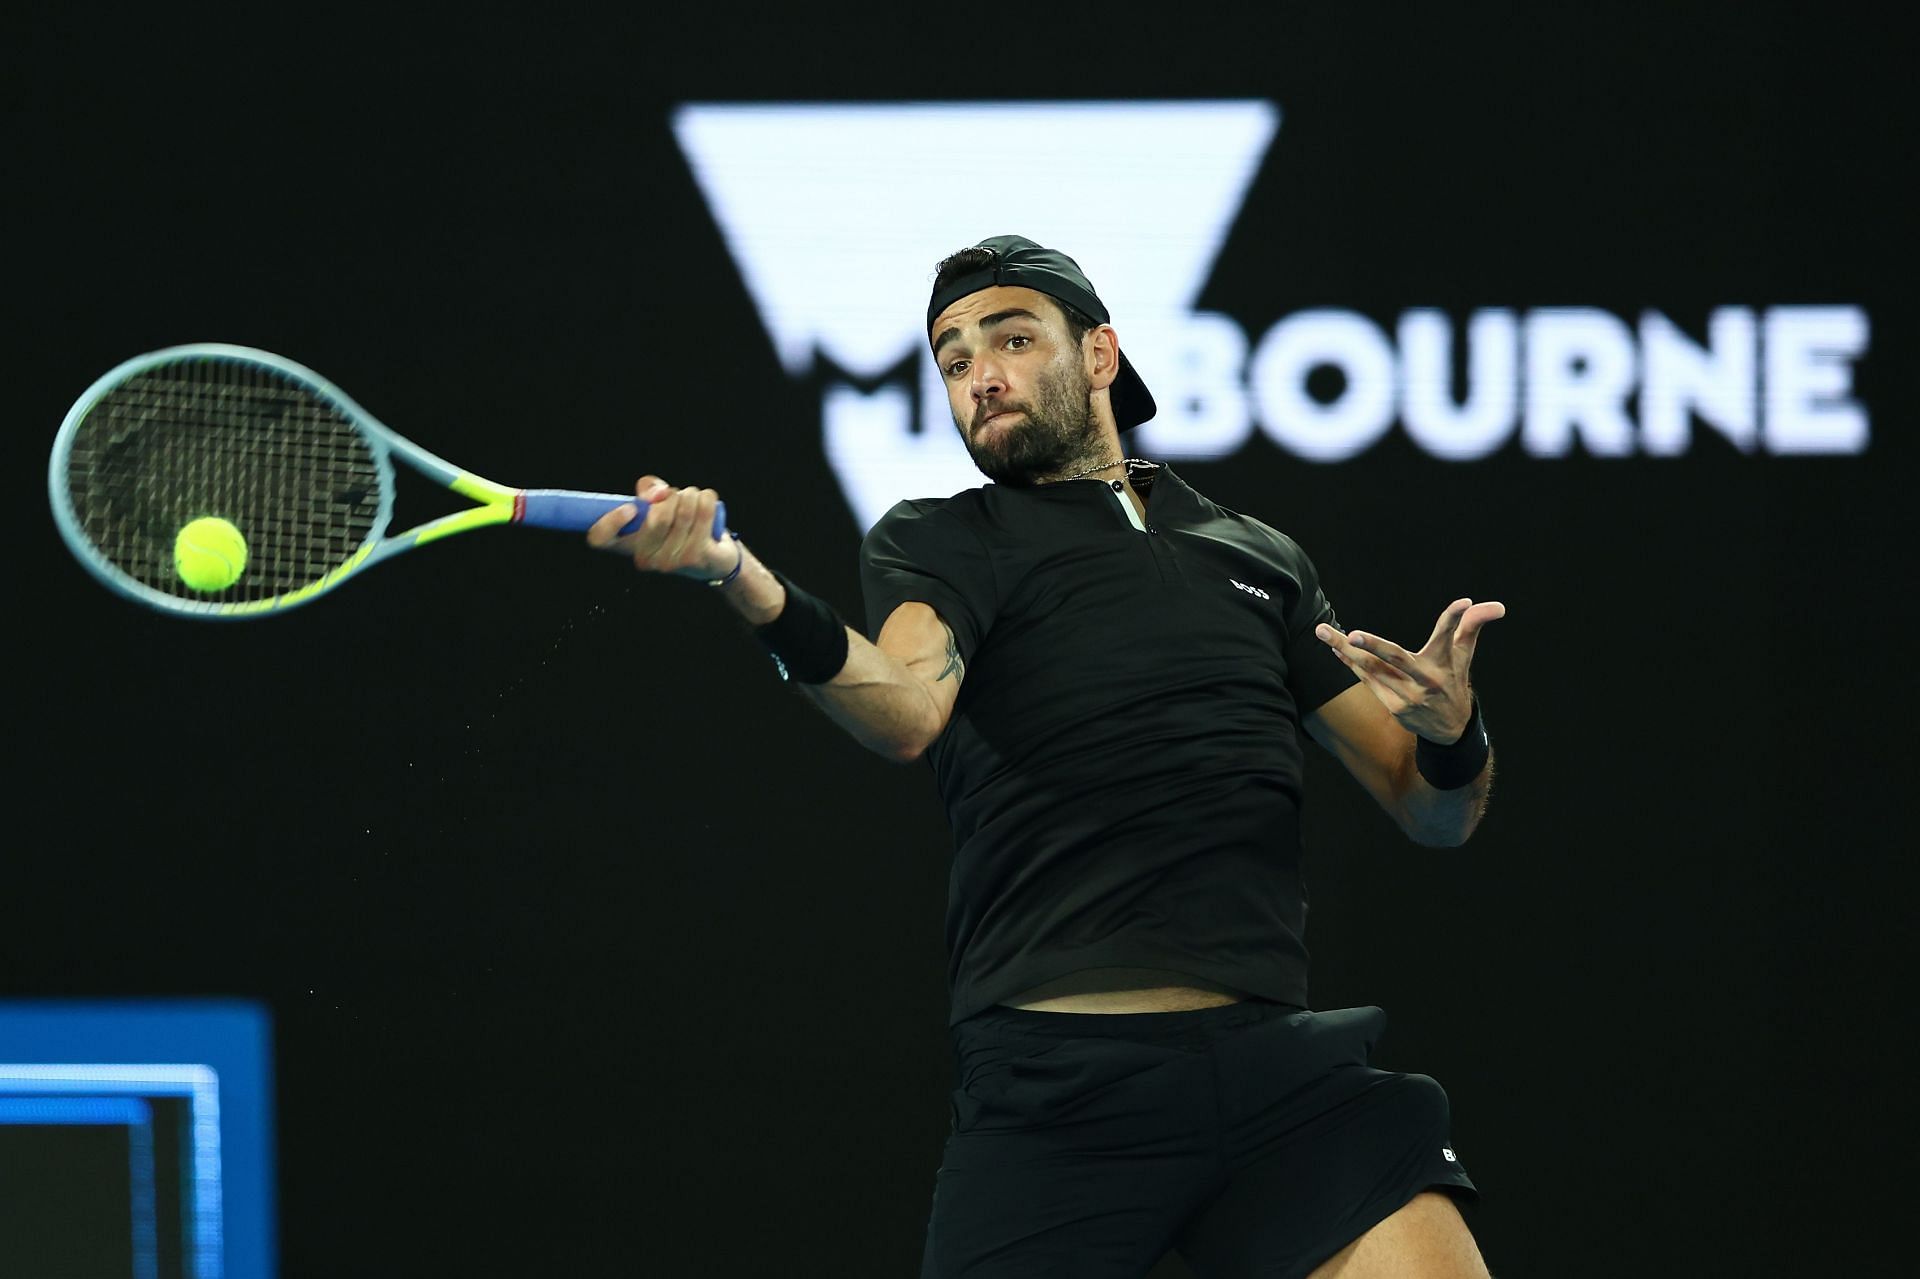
210 554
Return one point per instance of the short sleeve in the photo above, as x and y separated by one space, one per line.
1314 675
922 552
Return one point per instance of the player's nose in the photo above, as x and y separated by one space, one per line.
988 380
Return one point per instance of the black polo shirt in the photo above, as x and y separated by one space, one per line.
1123 767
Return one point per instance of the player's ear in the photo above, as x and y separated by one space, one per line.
1101 351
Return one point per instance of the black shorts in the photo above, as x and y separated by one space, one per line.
1254 1138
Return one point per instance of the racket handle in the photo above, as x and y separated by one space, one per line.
574 512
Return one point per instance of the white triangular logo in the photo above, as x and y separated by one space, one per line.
836 216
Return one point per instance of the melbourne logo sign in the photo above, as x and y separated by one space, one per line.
835 216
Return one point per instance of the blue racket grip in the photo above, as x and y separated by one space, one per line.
574 512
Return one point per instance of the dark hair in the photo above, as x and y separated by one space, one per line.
1079 323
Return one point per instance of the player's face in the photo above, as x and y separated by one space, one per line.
1017 384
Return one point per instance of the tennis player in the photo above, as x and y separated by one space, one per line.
1110 676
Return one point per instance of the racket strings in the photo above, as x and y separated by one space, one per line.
235 440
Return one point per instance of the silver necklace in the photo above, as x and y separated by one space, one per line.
1105 466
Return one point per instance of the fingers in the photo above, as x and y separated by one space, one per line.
686 536
1370 654
1476 617
1449 620
1462 620
677 534
604 534
1376 670
1391 654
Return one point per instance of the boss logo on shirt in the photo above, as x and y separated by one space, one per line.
1251 590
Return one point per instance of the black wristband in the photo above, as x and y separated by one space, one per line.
1451 767
808 640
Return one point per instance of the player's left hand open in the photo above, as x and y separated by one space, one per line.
1426 691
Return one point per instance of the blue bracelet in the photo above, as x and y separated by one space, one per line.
736 564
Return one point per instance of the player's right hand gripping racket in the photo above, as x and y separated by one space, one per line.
302 473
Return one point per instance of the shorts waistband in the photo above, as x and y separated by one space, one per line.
1028 1021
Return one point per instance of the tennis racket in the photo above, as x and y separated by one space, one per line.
303 474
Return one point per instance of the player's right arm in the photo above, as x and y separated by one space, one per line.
894 696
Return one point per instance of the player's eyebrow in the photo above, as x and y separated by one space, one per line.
952 334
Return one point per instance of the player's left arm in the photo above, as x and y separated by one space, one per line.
1374 727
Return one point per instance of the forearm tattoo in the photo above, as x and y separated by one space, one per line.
955 667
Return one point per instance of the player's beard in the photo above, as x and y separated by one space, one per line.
1058 436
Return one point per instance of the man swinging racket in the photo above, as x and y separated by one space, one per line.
1110 676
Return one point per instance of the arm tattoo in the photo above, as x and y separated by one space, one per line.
955 667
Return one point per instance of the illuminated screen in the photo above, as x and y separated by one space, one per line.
835 215
135 1139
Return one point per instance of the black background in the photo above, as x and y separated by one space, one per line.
589 951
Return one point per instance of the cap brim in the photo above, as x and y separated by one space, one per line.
1132 401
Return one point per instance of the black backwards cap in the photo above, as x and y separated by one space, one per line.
1019 261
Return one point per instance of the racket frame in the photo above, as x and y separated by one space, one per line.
494 503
